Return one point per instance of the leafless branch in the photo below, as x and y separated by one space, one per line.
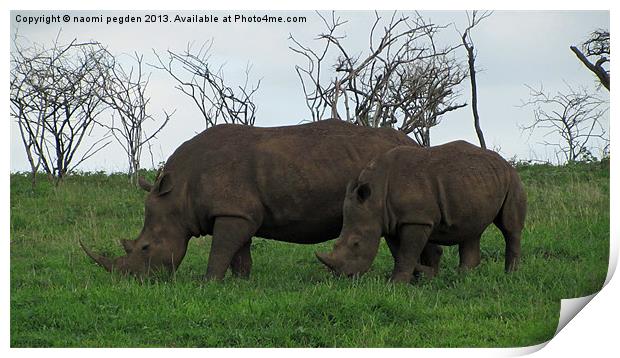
596 49
125 93
472 21
196 78
575 116
55 99
389 85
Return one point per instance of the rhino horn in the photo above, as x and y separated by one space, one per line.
326 259
100 260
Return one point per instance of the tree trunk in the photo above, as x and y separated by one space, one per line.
474 95
33 179
427 137
134 172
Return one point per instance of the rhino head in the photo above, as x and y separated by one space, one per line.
162 243
358 243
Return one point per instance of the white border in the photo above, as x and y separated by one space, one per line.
592 331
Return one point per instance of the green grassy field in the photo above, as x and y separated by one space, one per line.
59 298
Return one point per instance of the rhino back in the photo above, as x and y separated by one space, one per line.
290 180
457 188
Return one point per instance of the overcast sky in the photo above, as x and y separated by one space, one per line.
514 48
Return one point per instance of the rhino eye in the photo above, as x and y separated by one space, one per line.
145 247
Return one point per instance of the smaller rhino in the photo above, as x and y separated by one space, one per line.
444 195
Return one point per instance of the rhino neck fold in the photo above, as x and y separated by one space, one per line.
389 222
194 224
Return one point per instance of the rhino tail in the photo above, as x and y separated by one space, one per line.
511 220
511 217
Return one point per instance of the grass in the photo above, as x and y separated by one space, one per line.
59 298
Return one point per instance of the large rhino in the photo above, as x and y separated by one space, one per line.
444 195
235 182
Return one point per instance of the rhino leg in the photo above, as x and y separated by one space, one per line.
241 263
420 269
412 239
392 243
230 234
513 251
429 259
469 253
512 235
513 247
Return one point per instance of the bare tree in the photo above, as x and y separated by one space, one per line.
404 80
596 49
421 94
23 106
55 98
125 93
196 78
575 116
472 21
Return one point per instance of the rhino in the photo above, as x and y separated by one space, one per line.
444 195
235 182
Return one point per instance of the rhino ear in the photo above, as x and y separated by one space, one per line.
163 185
145 185
363 192
351 186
